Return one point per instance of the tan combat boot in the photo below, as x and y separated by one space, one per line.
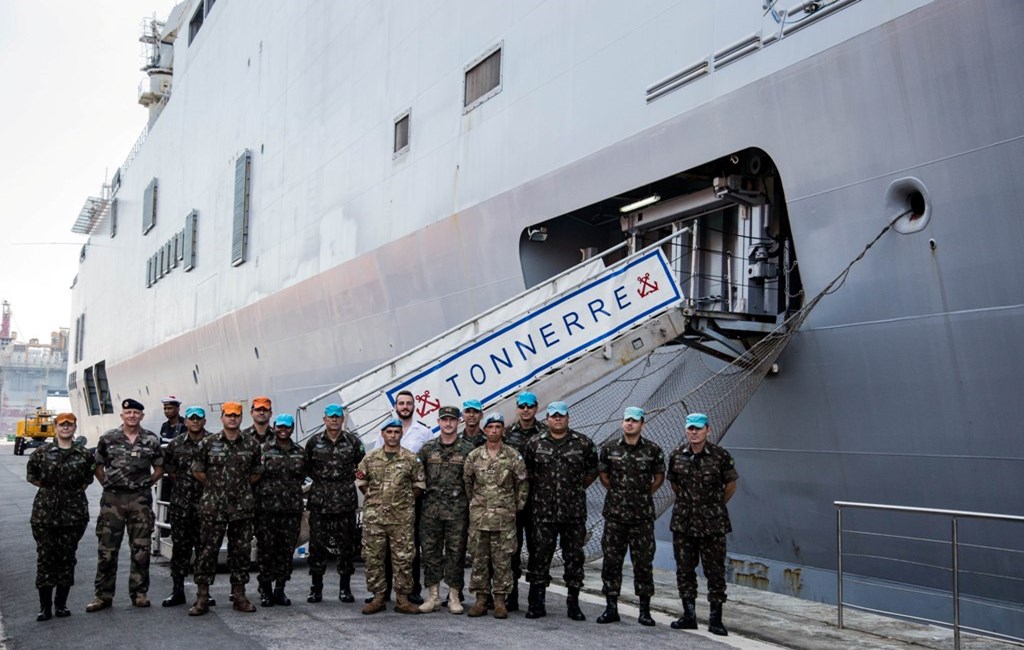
500 611
454 604
202 604
375 605
97 603
403 606
433 601
239 602
479 608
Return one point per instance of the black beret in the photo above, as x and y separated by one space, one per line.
132 404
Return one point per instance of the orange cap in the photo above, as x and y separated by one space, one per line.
231 408
66 417
261 402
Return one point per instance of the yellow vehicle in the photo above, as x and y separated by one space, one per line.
33 430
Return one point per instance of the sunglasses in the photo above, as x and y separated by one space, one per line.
526 406
693 428
196 417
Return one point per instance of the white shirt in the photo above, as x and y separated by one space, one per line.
417 435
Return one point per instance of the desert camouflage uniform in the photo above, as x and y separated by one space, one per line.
279 509
60 511
516 435
332 500
227 504
126 504
445 511
629 512
389 515
558 498
184 502
700 519
497 490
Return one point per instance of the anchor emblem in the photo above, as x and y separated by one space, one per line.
427 405
647 285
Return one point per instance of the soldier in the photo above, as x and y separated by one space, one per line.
632 468
227 464
331 459
128 463
495 479
561 464
391 478
260 411
525 427
184 501
60 513
703 477
279 511
175 425
444 518
472 414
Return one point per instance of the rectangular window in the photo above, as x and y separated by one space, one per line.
160 263
483 79
149 207
190 240
115 182
179 245
170 256
195 23
106 406
91 395
402 133
113 217
240 230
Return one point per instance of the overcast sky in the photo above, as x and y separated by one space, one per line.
69 74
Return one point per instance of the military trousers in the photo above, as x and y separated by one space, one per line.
55 554
277 535
332 533
524 533
570 536
492 560
121 511
709 552
377 540
444 550
211 534
185 537
638 538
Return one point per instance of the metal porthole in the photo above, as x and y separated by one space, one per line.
908 194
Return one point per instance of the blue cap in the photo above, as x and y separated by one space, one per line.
393 422
334 409
472 404
195 410
698 420
285 420
526 398
494 417
633 413
558 407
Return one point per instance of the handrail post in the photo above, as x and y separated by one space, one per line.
956 587
839 562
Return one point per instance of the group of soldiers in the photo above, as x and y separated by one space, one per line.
485 491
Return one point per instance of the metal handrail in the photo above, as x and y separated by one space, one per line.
955 516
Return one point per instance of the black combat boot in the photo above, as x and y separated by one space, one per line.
512 599
572 605
60 602
715 621
279 596
645 612
536 607
345 590
45 604
688 621
316 590
611 611
266 593
177 596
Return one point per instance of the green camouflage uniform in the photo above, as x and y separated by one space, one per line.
126 504
227 504
516 435
184 502
477 441
629 512
700 519
279 509
497 490
558 498
262 440
60 511
445 511
332 500
389 514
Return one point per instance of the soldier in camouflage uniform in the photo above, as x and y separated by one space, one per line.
445 512
472 415
331 459
261 412
60 513
184 501
495 478
227 464
703 477
128 462
391 478
279 511
561 464
631 468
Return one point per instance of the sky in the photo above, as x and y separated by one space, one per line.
69 78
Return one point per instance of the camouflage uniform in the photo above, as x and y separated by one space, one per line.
700 519
332 500
60 511
477 441
497 490
227 504
126 503
279 509
445 511
261 439
516 435
629 512
558 498
184 502
389 515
